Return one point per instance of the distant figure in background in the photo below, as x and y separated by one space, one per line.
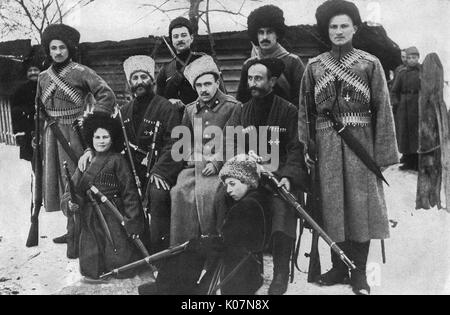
434 137
266 29
405 103
23 108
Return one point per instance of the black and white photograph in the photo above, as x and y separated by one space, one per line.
226 148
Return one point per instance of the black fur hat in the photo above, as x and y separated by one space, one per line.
36 58
274 65
266 16
102 120
64 33
329 9
179 22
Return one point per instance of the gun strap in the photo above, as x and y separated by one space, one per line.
52 123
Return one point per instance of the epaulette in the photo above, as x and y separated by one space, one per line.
314 59
366 55
199 53
78 67
231 99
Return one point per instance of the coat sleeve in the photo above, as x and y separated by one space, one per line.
396 91
161 82
385 142
166 167
134 214
243 95
105 100
294 168
296 73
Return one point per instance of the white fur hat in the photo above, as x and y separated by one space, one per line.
203 65
139 63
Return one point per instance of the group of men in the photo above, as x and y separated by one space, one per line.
276 92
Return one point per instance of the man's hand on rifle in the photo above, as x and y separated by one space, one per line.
159 182
85 159
286 183
209 170
73 207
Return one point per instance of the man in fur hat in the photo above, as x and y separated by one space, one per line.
61 93
349 85
23 105
171 82
141 117
266 109
266 29
405 102
193 195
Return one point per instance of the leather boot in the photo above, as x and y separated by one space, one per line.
338 274
359 254
282 246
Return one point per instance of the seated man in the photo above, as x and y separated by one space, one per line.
236 250
193 195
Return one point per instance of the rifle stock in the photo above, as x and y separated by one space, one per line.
148 260
33 234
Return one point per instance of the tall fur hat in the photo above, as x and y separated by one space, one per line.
36 58
102 120
274 65
179 22
203 65
412 51
139 63
329 9
64 33
241 167
266 16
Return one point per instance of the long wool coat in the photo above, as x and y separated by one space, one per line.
159 109
110 174
22 114
193 195
282 117
352 197
65 110
405 102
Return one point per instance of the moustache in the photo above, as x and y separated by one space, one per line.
204 94
256 89
140 85
265 41
181 43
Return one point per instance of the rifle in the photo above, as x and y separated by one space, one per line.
33 234
172 251
313 202
290 198
130 156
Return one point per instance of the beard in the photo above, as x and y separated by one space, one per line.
257 92
146 87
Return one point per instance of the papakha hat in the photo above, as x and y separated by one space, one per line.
200 66
62 32
102 120
266 16
139 63
275 65
241 167
329 9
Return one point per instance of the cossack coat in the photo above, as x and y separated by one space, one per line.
352 197
65 109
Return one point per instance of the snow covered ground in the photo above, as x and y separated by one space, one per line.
418 252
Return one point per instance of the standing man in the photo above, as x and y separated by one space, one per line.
140 117
171 82
193 195
266 109
61 94
405 101
349 85
23 109
266 29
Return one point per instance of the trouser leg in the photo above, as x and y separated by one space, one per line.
281 252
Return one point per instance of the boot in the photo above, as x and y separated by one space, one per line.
60 239
359 253
338 274
282 246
